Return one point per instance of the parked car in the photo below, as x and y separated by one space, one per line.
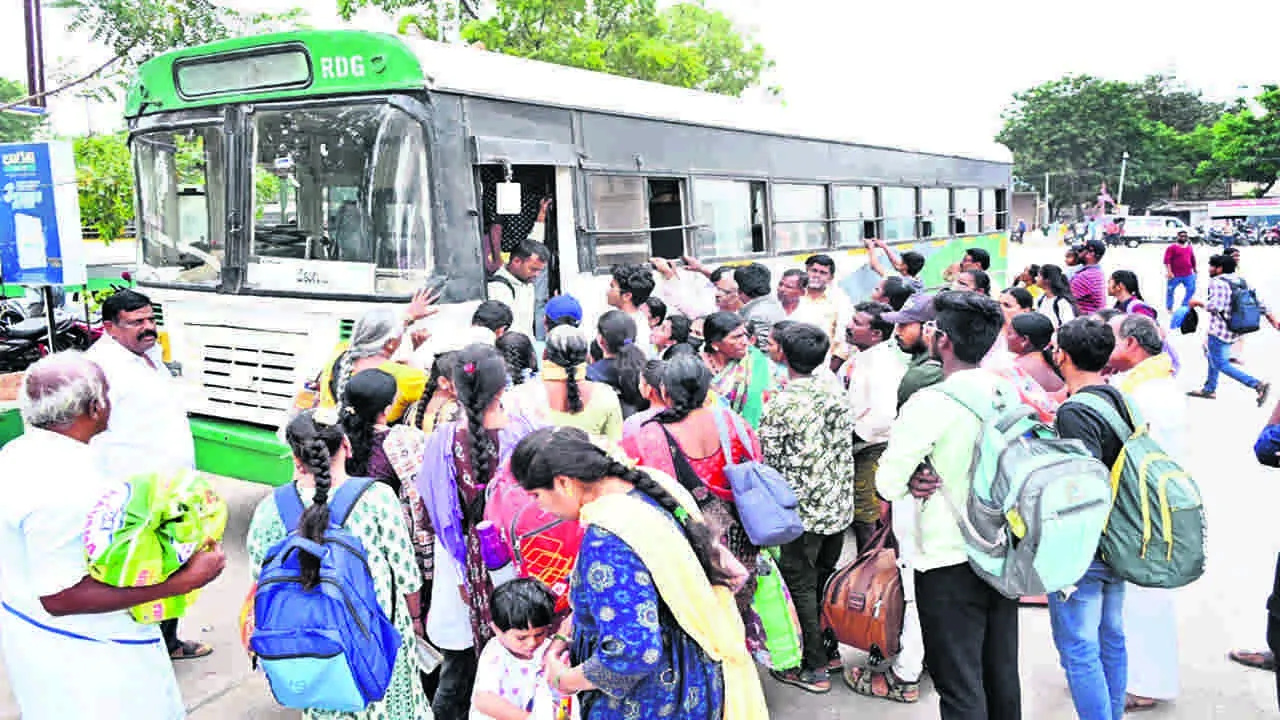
1138 229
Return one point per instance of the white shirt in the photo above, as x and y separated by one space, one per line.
50 483
148 431
873 390
522 683
644 333
520 296
1057 309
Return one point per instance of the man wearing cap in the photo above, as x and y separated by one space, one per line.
1180 269
1089 286
922 369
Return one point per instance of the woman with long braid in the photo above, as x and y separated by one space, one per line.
320 454
683 441
462 458
573 400
654 632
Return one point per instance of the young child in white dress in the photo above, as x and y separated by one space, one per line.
510 681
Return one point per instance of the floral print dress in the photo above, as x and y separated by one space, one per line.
378 521
630 645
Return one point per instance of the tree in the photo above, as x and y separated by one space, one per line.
1078 128
13 126
104 173
685 44
136 30
1246 146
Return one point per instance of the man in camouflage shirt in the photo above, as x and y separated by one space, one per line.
806 433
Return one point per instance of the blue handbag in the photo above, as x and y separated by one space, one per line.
765 502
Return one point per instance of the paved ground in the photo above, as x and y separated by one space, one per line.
1223 610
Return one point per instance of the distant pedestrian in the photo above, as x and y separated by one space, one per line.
1180 270
1222 274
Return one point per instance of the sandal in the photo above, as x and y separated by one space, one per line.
807 680
190 651
1201 394
1135 703
1259 659
1264 389
886 685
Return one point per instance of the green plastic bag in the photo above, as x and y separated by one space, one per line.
772 602
144 530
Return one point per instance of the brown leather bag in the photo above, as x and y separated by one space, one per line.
863 602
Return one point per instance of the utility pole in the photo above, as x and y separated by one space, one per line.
35 51
1124 162
1047 214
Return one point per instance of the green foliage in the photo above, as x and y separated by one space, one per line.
1246 146
104 173
685 44
15 127
1077 129
137 30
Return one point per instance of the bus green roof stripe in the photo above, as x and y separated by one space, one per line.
387 64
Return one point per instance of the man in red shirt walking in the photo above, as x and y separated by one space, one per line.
1180 269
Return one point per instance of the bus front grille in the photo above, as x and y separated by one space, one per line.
248 374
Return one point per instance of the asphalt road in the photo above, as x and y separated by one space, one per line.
1224 609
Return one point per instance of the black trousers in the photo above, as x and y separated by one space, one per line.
806 564
452 700
970 644
169 629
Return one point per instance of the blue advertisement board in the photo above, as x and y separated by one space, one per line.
40 241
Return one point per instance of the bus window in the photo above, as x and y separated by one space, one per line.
855 214
964 220
636 218
181 199
344 185
988 210
1002 209
799 217
730 214
935 212
899 213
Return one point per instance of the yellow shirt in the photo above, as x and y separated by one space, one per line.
410 384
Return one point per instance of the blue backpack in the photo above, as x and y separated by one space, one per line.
331 647
1245 315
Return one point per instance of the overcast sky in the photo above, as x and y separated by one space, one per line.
936 69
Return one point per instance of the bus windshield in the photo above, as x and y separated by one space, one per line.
341 201
181 201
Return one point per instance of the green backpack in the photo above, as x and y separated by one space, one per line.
1155 535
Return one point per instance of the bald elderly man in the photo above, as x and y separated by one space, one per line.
70 647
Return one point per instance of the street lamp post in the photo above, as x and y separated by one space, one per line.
1124 162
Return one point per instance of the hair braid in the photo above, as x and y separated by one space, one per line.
573 391
699 534
315 520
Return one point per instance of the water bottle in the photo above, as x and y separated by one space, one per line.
494 552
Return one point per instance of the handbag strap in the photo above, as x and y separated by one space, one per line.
685 473
726 445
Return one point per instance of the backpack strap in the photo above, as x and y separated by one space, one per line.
289 506
1109 413
345 499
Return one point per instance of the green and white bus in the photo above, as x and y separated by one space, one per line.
287 183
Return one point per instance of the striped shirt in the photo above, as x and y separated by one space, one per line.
1090 289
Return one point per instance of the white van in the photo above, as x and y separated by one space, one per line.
1153 228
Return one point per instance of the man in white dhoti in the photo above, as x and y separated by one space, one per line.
149 431
70 646
1145 373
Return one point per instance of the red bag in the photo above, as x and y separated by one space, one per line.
545 546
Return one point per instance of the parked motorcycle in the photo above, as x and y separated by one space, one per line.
25 342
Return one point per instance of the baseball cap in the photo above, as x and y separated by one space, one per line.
564 306
918 309
1096 247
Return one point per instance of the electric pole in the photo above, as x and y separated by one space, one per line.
35 52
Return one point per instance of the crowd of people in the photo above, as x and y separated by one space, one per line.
626 425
